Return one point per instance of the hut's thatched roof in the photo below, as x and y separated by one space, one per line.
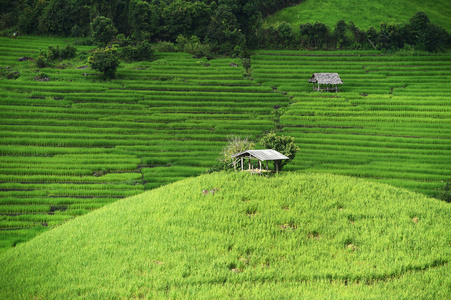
325 78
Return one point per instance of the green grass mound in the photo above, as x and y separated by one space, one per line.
363 13
241 236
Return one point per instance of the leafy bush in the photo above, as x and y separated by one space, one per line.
46 58
69 51
122 40
141 52
163 46
42 62
283 144
194 46
105 60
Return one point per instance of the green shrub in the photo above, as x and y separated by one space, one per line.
42 62
163 46
141 52
123 40
283 144
194 46
105 60
69 51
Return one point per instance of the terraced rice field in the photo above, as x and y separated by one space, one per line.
76 143
390 121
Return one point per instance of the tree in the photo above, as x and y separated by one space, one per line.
143 18
372 36
103 30
105 60
286 36
307 33
223 30
419 21
57 17
340 34
283 144
235 145
321 35
426 35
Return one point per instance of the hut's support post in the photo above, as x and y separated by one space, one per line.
277 166
266 165
242 164
249 163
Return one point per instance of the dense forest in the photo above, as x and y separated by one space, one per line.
223 26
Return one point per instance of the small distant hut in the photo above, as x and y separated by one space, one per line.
325 81
261 156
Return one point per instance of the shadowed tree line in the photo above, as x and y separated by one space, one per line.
419 34
223 26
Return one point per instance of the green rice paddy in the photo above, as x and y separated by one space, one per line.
76 143
390 122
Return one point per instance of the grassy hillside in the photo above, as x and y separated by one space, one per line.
296 235
363 13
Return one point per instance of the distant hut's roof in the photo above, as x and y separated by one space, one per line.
263 155
325 78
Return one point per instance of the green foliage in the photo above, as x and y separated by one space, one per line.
223 31
163 46
42 62
123 40
244 237
419 33
105 60
28 16
48 58
194 46
143 18
281 143
426 35
142 51
286 36
57 17
69 51
103 30
184 18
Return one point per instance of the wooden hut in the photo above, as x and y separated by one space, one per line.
261 156
325 81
